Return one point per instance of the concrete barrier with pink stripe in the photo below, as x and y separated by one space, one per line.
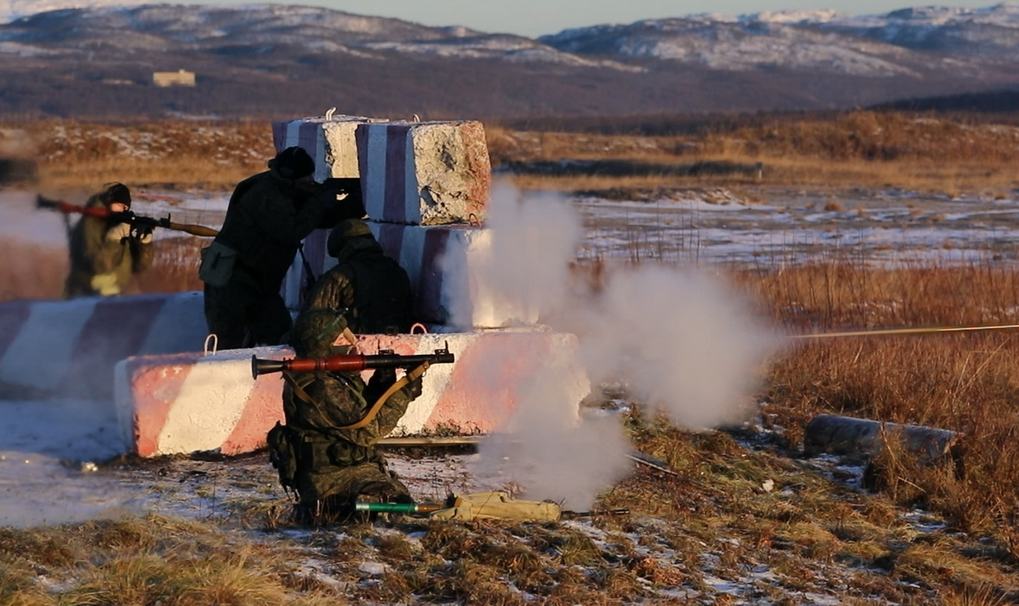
69 348
189 402
443 263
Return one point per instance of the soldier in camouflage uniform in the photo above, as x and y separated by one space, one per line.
105 253
326 463
371 286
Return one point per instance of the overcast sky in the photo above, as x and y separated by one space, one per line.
534 18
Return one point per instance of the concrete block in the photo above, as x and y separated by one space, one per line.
443 263
329 141
427 173
69 348
189 402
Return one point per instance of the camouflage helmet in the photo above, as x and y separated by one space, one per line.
350 228
315 331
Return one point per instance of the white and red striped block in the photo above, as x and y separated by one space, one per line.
424 173
69 348
329 141
442 261
189 402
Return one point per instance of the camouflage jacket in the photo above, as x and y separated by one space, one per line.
371 286
100 266
333 400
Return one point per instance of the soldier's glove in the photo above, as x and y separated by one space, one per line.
142 234
118 232
413 388
329 199
383 378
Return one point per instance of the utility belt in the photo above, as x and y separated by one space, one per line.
317 450
293 450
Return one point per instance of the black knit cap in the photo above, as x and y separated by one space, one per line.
293 163
116 192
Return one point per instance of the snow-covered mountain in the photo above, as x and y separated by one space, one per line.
16 9
702 62
880 45
904 42
151 27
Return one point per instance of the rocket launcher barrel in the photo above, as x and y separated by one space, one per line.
349 363
136 221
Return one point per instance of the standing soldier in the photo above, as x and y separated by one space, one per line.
326 452
243 269
106 252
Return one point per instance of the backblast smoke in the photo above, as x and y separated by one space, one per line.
678 338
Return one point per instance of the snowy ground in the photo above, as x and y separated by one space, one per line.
784 226
772 226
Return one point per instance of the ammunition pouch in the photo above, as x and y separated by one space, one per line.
217 266
283 443
292 450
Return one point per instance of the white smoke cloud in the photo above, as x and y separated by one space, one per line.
21 221
524 271
681 339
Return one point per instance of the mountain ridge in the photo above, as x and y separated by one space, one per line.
761 62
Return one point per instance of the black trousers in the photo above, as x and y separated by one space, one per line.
241 315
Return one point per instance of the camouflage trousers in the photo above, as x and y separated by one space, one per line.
318 469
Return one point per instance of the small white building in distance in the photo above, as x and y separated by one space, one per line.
177 78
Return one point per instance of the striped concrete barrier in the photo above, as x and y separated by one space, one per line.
189 402
329 141
443 263
424 173
69 348
420 173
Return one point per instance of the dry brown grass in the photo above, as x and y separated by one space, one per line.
858 148
966 382
33 272
175 268
167 154
147 561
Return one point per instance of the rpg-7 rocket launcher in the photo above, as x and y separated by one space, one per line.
350 362
138 223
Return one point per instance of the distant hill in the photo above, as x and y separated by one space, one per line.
276 60
996 102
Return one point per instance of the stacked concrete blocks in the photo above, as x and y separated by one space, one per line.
443 263
425 186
